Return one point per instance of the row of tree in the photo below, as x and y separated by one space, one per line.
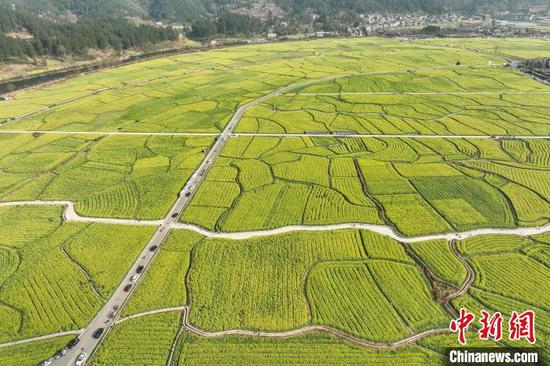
44 37
226 23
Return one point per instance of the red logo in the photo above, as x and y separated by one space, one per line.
491 326
461 324
520 326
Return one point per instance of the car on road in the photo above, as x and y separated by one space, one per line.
97 333
139 269
46 363
81 358
174 215
60 353
127 287
73 342
152 248
134 278
187 194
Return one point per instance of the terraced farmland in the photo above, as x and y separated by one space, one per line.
421 186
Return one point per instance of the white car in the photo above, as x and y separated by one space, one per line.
46 363
81 358
134 278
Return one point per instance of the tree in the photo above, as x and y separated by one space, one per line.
202 29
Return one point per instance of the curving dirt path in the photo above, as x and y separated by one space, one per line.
187 326
379 229
70 215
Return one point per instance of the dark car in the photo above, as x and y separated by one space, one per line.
187 194
73 342
127 287
98 332
153 248
174 215
139 269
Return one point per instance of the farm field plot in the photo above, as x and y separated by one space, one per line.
199 91
140 341
511 275
108 176
517 47
55 276
239 272
308 350
297 279
459 80
153 335
503 110
417 186
164 285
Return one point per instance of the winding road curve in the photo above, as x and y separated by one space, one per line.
308 329
70 215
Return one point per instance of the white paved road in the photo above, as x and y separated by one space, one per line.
327 134
70 215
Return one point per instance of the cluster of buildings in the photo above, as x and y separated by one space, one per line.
375 22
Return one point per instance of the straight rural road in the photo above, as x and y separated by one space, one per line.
503 92
328 134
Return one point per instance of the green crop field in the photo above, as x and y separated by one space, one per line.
141 341
511 275
516 47
423 186
106 176
199 92
467 101
296 279
453 141
31 354
55 276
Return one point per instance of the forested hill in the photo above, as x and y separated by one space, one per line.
25 35
189 10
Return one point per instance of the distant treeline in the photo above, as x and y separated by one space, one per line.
34 36
226 23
